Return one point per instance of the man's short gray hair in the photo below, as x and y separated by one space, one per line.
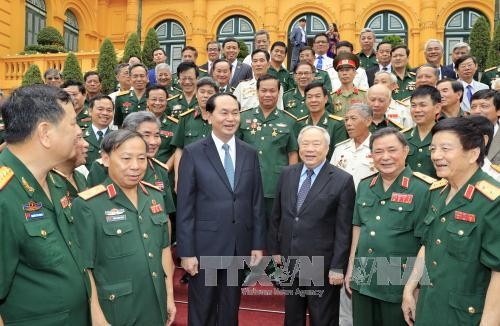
134 120
460 45
393 77
366 30
434 69
325 133
162 66
433 40
363 109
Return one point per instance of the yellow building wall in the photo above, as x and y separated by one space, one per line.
116 19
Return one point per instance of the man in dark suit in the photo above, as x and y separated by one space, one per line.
213 53
312 217
239 71
298 38
433 52
101 110
383 55
220 213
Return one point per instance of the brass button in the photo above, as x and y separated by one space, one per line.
119 231
460 232
145 236
111 297
260 152
420 150
377 218
140 218
382 202
364 204
262 138
443 219
154 274
434 263
438 242
370 250
43 233
150 255
471 310
69 243
372 233
70 219
431 285
400 208
419 165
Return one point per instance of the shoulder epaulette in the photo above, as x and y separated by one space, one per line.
438 184
247 109
92 192
56 171
424 177
289 91
202 70
151 186
99 160
396 123
363 90
412 73
342 142
406 98
402 103
369 176
172 97
490 69
405 130
6 175
335 117
303 118
495 167
489 190
172 119
163 165
122 93
186 112
294 117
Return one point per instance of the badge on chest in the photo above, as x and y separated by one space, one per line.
115 215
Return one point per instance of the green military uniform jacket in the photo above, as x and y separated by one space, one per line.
71 191
391 226
294 102
406 86
43 281
227 89
490 75
319 76
127 103
366 62
168 129
156 174
173 91
384 124
83 118
178 104
419 156
284 76
94 151
123 246
273 137
462 247
331 123
191 128
342 100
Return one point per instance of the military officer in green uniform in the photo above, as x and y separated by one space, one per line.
43 281
122 230
346 64
101 112
461 246
379 100
404 77
490 75
425 106
135 100
164 79
316 98
272 133
77 92
188 74
387 226
307 54
276 68
367 56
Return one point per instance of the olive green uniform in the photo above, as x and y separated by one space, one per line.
331 123
71 191
123 245
490 75
406 86
419 156
294 102
366 62
284 76
390 229
384 124
172 91
191 128
442 116
128 103
42 279
178 104
168 129
342 100
462 248
94 151
2 129
83 118
319 76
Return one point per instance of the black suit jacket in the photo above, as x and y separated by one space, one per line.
323 225
242 72
448 72
370 74
212 219
204 67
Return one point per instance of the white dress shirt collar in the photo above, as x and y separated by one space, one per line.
220 150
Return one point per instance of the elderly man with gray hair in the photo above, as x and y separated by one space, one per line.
164 78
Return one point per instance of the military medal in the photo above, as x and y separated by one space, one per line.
155 207
462 216
27 186
401 198
274 133
65 202
32 210
159 184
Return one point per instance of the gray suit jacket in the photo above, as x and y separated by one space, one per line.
242 72
296 36
494 152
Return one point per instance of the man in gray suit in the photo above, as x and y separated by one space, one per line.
298 38
486 102
239 71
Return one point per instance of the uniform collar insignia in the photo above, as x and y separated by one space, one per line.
374 181
405 182
27 186
143 188
469 192
32 206
111 191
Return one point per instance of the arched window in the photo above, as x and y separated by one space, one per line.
36 15
238 27
457 29
388 23
314 24
172 37
70 31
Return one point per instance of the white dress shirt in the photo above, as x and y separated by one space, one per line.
95 129
360 80
222 153
327 61
476 86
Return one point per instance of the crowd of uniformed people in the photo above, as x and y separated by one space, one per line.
88 180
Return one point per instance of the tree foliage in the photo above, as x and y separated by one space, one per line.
50 36
72 69
479 41
243 50
132 47
32 76
393 39
150 43
106 66
494 51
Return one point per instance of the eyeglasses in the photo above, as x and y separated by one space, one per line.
302 73
54 78
187 79
158 100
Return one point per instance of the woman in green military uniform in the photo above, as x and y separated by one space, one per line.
461 243
121 229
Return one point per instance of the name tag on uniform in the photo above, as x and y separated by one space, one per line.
32 211
115 215
462 216
401 198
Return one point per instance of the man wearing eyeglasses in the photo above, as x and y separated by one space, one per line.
188 74
53 77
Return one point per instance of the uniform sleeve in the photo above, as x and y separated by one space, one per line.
422 207
490 246
167 192
85 227
97 175
356 219
118 120
292 145
178 139
9 249
340 133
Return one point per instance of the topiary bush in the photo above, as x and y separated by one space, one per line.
393 39
72 69
479 41
150 43
494 50
32 76
50 36
132 48
106 66
243 50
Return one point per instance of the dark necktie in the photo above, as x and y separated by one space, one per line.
304 189
469 92
384 68
99 136
222 89
319 64
228 165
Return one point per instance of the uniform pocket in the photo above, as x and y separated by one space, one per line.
58 318
459 241
42 248
400 216
365 208
117 302
118 239
465 309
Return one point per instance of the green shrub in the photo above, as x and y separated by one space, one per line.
494 50
32 76
106 66
243 50
132 48
150 43
393 39
72 69
479 41
50 36
34 48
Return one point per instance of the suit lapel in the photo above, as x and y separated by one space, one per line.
294 188
495 146
240 161
214 159
319 183
236 72
91 137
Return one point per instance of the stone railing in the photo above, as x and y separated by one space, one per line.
13 67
